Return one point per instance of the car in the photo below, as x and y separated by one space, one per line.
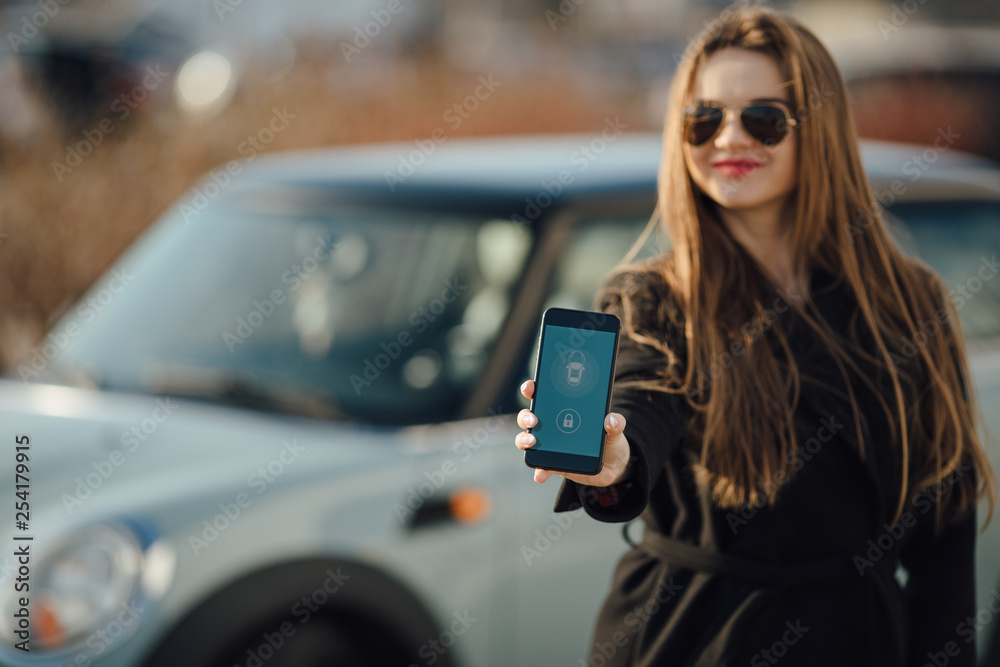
279 431
575 368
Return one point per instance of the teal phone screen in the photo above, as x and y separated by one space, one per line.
574 373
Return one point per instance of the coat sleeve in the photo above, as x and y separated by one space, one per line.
654 422
942 592
942 577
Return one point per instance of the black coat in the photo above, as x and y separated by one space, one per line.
810 581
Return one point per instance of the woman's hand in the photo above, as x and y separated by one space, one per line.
616 448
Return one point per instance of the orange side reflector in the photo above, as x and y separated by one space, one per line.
48 631
470 504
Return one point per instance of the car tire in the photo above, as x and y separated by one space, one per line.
371 620
320 643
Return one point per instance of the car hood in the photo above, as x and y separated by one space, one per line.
91 449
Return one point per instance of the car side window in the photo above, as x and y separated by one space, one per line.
960 240
595 247
403 331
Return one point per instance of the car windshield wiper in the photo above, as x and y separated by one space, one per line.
241 390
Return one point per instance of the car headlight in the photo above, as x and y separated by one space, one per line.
87 589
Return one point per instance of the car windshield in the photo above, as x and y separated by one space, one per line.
370 315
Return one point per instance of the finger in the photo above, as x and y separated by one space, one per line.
528 388
524 440
525 419
614 423
542 475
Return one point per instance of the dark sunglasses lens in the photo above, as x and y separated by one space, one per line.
766 124
700 123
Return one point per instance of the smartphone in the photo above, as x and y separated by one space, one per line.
574 372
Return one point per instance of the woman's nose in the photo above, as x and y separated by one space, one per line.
731 134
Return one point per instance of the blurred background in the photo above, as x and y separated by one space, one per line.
111 109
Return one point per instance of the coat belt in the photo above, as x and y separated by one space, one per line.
830 571
821 572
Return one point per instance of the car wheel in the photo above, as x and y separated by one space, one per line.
261 620
322 642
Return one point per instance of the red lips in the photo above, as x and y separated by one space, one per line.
735 167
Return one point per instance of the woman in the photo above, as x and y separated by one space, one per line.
791 418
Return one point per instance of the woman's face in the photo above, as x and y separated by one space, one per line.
736 171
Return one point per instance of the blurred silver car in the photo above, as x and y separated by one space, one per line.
279 431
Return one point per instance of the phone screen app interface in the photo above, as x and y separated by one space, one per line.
573 376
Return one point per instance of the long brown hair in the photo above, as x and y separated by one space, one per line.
718 288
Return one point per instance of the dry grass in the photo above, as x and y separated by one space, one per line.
56 237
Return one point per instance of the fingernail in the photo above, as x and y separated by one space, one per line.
529 420
524 386
528 439
614 421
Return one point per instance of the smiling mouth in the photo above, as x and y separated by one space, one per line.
736 167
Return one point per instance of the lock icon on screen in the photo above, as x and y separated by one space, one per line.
568 420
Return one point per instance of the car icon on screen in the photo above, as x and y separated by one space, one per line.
575 368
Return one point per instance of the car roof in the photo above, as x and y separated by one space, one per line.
527 166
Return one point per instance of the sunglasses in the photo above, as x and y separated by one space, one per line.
766 122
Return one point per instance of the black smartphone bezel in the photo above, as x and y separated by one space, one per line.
574 319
